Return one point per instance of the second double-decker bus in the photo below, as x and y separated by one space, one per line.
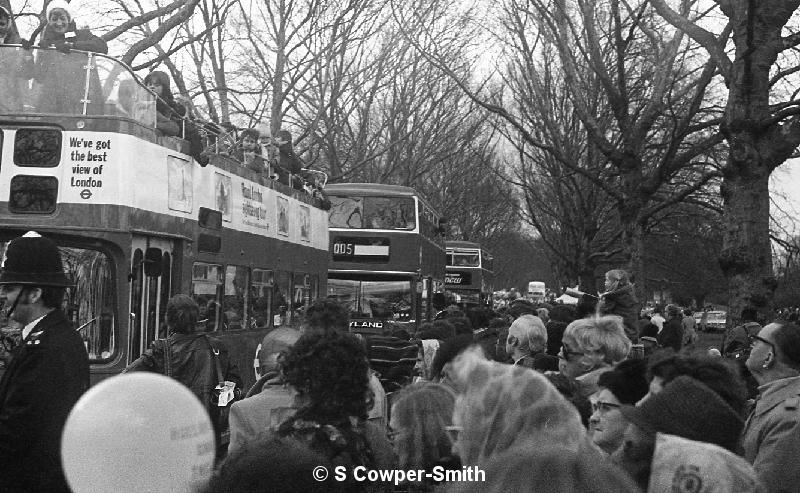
387 254
470 274
138 220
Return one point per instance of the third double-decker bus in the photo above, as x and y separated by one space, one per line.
470 275
387 254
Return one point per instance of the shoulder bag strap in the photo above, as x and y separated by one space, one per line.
167 356
215 355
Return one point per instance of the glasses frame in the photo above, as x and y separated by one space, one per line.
567 353
604 407
453 432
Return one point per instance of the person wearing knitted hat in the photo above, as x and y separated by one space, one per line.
686 408
771 439
49 370
63 75
686 465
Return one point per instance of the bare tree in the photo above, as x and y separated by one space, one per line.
761 124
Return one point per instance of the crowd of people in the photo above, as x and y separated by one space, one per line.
532 398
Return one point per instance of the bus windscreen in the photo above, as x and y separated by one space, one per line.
389 300
396 213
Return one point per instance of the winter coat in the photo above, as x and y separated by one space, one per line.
46 377
771 436
672 334
192 364
622 302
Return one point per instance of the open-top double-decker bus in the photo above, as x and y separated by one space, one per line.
387 254
138 220
470 274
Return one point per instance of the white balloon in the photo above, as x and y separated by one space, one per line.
138 432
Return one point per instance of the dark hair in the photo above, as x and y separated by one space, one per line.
448 351
250 132
52 296
749 314
478 317
626 381
521 307
787 340
719 375
182 314
438 329
562 313
271 463
162 79
326 316
330 371
462 325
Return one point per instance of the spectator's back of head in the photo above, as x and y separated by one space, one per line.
462 325
270 463
720 375
626 381
182 314
325 316
550 468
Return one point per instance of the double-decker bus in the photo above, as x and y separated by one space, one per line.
470 274
387 254
138 220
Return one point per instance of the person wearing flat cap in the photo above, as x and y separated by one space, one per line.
48 372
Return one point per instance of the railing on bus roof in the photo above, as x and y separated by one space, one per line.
79 83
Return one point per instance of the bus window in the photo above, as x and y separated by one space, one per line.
390 300
233 301
260 302
281 299
38 147
372 213
90 302
33 194
207 292
466 260
302 294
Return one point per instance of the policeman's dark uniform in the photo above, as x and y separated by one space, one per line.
48 373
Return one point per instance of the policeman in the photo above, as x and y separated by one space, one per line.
48 372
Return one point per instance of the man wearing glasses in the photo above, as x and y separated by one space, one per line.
771 436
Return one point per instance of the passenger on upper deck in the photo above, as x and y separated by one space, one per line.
62 78
288 162
11 60
248 151
170 113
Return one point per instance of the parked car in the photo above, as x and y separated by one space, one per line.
715 321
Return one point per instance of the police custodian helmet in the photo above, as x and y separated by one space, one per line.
33 260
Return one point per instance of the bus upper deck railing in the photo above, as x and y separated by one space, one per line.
78 83
43 81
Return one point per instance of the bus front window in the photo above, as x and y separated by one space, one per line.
397 213
388 300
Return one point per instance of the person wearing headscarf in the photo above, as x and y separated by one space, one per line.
61 73
501 407
620 299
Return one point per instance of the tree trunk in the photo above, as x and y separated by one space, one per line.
746 257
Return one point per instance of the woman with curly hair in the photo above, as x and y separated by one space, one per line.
330 374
